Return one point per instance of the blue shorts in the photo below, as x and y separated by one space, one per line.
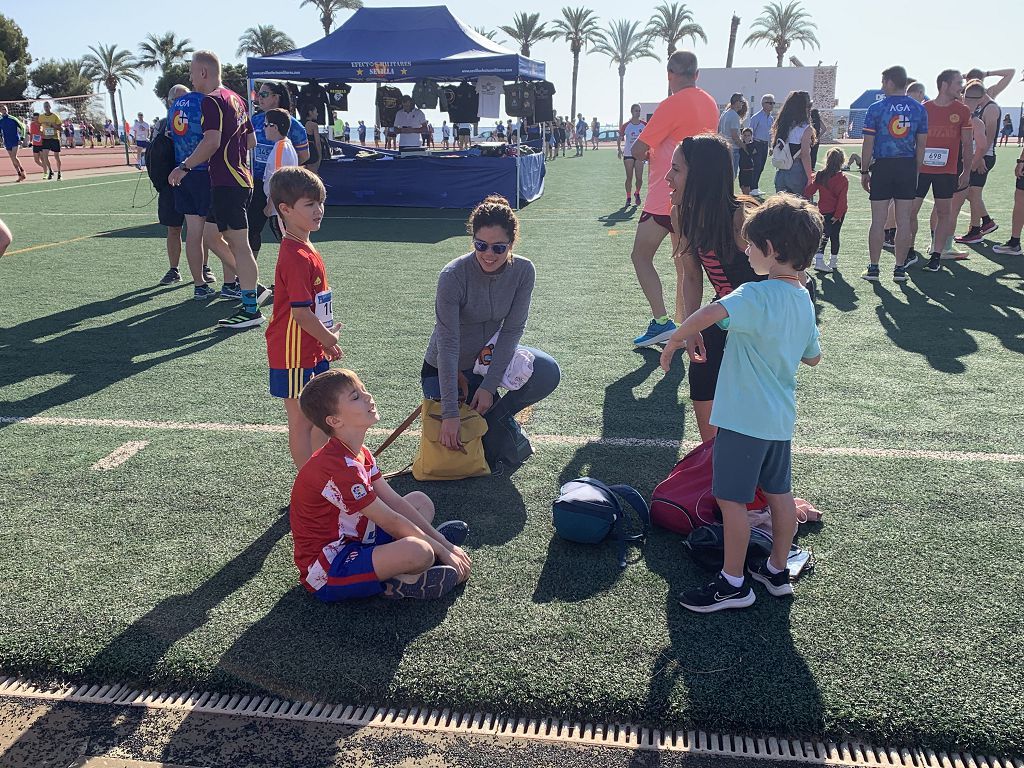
742 463
351 575
289 382
142 144
9 147
192 196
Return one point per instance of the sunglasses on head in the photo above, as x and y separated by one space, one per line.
482 246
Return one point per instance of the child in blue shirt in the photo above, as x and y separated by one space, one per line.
772 330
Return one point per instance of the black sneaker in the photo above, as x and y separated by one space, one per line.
50 176
777 584
208 276
172 276
455 531
899 274
912 259
871 273
934 263
437 581
718 596
973 237
242 320
264 294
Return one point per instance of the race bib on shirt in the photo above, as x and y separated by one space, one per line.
262 153
49 132
936 157
323 310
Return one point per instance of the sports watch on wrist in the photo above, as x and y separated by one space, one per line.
184 167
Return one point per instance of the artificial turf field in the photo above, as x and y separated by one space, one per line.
174 571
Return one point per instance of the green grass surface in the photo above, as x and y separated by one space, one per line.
175 570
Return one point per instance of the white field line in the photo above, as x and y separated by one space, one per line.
120 455
52 187
565 440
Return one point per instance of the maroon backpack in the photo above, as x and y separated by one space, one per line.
683 500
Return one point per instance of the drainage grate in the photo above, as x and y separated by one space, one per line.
847 753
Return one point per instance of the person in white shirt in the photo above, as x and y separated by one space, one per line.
410 123
761 124
278 122
140 132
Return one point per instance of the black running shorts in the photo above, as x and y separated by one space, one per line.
942 185
893 178
979 179
228 206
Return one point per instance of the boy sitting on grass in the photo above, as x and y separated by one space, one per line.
772 330
301 337
354 535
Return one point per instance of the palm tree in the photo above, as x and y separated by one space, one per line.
263 40
780 26
163 51
329 8
623 43
671 23
110 67
579 28
490 34
528 30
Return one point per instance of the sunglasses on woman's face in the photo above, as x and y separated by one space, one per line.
498 248
264 94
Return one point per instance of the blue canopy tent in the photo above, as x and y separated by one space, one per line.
859 108
403 45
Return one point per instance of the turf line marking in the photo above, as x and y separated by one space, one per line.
55 187
39 213
119 456
72 240
854 753
564 440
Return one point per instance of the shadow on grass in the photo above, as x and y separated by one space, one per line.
942 309
739 670
616 463
625 213
96 357
833 289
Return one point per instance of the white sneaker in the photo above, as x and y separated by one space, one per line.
833 262
1007 249
954 255
819 263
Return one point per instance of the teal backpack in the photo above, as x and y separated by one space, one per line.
586 511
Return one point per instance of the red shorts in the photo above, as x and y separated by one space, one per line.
662 219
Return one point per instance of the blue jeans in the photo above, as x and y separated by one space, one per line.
735 161
545 378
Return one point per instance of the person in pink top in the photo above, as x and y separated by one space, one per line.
687 112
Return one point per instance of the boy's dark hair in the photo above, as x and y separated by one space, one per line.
974 74
319 398
292 183
494 211
897 76
279 119
791 224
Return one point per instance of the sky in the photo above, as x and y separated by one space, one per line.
861 50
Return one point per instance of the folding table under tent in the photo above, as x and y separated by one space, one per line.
403 45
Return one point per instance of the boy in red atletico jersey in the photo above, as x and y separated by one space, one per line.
302 336
354 535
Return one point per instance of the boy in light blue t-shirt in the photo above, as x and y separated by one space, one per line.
772 330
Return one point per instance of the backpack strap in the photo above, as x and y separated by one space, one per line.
636 501
400 429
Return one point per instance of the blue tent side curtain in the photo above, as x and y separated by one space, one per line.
398 45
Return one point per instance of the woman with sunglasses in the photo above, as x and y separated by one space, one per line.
270 96
483 293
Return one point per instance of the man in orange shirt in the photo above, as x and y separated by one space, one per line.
687 112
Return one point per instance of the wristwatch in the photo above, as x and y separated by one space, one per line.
184 167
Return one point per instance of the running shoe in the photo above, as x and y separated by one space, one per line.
437 581
973 237
934 263
833 263
231 291
656 333
264 294
636 198
629 201
718 596
954 255
889 245
203 293
455 531
1008 248
871 273
241 320
756 192
58 175
777 584
912 259
172 276
208 275
899 274
819 263
986 229
50 176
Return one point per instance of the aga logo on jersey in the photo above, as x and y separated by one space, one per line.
358 492
899 126
179 123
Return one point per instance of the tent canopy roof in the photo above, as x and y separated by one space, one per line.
398 45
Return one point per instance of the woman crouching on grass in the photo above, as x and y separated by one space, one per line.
484 294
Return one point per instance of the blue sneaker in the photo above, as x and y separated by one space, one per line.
231 291
656 333
455 531
203 293
437 581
